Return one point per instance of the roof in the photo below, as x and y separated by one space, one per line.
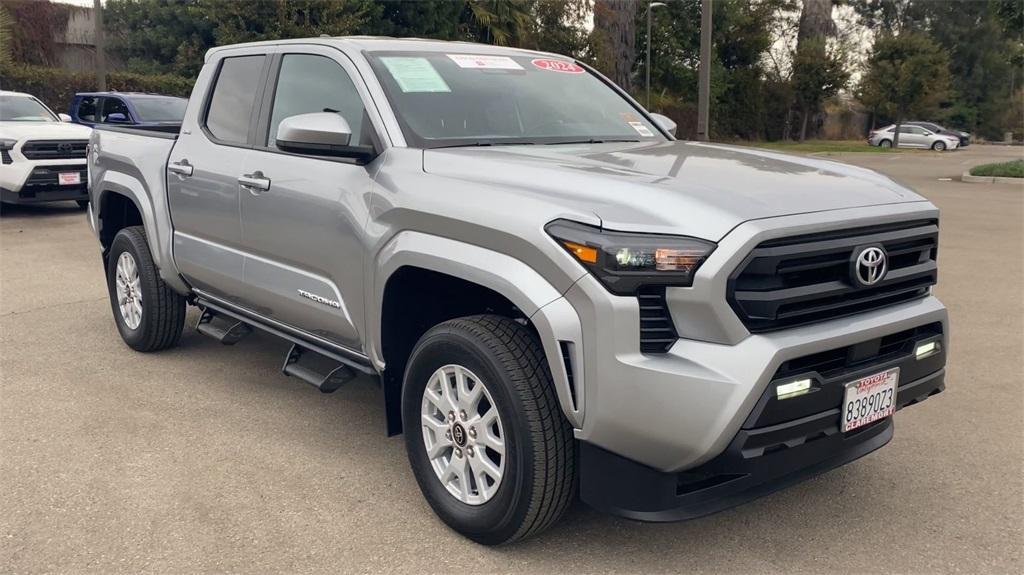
115 93
385 43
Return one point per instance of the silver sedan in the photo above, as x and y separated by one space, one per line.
913 137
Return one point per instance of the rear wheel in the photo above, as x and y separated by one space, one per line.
149 315
885 144
939 146
488 444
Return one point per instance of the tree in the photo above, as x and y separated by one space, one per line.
907 74
818 73
502 22
615 30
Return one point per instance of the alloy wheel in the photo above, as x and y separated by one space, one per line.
463 434
129 290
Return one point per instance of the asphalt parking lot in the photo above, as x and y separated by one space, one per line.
206 459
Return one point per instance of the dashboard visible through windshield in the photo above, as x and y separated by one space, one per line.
456 99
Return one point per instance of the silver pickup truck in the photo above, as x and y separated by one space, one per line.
557 297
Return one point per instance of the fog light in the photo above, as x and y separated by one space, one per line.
793 388
927 349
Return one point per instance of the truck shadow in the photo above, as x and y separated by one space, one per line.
39 210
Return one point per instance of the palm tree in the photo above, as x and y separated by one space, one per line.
503 22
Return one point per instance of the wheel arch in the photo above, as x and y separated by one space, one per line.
459 279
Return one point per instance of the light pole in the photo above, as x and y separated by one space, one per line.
704 80
650 8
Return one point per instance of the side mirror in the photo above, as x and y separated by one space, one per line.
64 117
117 118
665 123
321 134
927 133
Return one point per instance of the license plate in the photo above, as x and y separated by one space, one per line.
869 399
69 178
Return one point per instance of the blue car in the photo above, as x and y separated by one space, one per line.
153 111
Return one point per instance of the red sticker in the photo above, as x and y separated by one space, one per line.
558 66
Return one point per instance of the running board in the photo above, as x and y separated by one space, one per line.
222 328
320 371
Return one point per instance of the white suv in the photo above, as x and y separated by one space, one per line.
42 156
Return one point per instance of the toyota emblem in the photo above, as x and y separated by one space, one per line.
65 147
869 265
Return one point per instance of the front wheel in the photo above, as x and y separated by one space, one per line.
149 315
885 144
939 146
488 444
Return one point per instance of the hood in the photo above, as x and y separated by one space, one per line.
44 131
688 188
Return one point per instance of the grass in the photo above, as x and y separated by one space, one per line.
826 146
1012 169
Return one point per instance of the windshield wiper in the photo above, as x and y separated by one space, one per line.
484 143
593 141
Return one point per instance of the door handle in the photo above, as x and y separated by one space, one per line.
254 182
182 168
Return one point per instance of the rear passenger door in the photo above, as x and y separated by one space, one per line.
203 171
912 137
302 231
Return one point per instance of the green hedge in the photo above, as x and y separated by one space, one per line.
56 87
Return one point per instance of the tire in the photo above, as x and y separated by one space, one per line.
939 146
82 203
885 144
539 467
161 311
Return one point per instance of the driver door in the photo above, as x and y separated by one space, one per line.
302 223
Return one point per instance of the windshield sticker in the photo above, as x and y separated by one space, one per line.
484 62
558 66
642 129
415 75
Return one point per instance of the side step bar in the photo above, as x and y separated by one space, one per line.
225 329
317 370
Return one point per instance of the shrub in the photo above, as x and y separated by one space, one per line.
1013 169
56 87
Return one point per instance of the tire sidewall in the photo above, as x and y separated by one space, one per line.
939 146
499 518
885 144
126 242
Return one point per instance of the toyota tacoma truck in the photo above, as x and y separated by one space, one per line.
556 296
42 155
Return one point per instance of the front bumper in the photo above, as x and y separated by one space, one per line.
42 184
757 462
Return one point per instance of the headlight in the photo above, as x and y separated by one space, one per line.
7 143
625 261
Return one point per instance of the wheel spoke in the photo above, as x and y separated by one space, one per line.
488 439
448 393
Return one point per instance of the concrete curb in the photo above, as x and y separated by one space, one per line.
967 177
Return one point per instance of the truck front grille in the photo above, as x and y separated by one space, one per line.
657 332
805 279
54 149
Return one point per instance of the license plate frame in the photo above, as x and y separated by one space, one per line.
69 178
869 399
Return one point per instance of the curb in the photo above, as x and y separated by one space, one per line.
967 177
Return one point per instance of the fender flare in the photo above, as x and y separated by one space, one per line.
157 226
553 317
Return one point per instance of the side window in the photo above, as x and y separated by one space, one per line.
309 83
234 94
114 111
87 109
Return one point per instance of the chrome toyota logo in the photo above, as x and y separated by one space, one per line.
65 147
870 265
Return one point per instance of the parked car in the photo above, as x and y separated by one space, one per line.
128 109
42 156
963 137
552 291
913 137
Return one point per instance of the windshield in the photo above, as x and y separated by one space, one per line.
24 109
159 108
444 100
